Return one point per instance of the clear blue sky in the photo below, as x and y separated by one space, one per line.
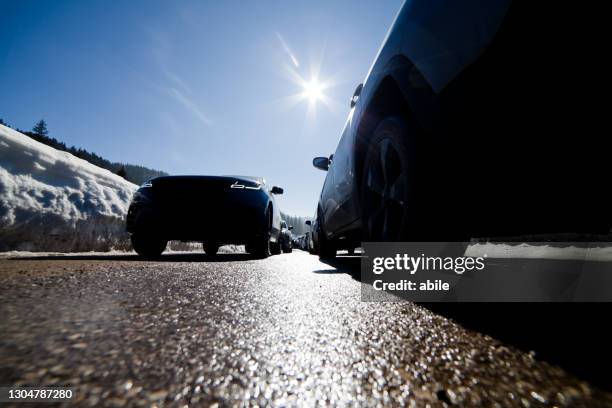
192 87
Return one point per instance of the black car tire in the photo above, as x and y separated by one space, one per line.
397 209
210 248
261 247
275 248
315 248
327 249
385 183
148 246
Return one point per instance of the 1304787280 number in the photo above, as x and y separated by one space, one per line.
8 394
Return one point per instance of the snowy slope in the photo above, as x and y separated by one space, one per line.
53 201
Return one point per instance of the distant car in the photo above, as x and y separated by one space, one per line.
303 242
474 121
285 237
297 242
313 236
213 210
308 236
306 242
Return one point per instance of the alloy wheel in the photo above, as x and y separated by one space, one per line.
385 192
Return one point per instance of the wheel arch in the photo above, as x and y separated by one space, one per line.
403 92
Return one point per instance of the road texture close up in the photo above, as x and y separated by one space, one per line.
287 330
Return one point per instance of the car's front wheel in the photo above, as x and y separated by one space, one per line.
148 246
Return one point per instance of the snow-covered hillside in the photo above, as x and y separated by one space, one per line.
53 201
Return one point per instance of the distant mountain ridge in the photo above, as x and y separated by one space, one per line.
133 173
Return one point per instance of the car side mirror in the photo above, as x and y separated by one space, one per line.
277 190
290 227
308 222
321 163
356 95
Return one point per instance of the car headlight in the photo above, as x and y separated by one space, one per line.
248 185
143 194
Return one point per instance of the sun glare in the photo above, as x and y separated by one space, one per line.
313 90
311 86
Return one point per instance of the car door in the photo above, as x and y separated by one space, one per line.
327 202
344 179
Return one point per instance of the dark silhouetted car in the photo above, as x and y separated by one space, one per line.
297 242
213 210
476 119
285 238
313 236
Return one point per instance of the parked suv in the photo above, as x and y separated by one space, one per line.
208 209
477 118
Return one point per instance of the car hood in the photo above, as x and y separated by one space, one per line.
215 183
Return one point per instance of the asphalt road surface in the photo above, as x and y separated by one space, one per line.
287 330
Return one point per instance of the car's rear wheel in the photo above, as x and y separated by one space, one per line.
327 249
385 183
210 248
148 246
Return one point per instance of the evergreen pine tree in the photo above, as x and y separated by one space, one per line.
40 128
121 172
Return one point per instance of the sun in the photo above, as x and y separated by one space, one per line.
313 90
